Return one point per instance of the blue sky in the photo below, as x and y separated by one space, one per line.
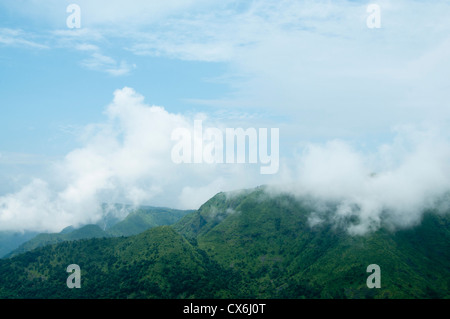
313 69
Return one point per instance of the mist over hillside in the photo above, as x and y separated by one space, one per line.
244 244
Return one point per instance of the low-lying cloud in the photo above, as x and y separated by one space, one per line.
127 159
124 159
392 187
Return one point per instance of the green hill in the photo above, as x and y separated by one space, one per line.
242 245
144 218
269 241
85 232
158 263
136 222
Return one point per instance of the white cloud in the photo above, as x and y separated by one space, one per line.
37 207
17 37
318 63
314 61
124 159
100 62
127 159
103 63
392 187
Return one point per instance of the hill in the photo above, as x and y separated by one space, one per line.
137 221
158 263
268 239
146 217
245 244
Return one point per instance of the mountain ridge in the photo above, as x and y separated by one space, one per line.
137 221
246 244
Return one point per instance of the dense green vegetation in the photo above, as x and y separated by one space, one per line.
158 263
269 241
135 222
242 245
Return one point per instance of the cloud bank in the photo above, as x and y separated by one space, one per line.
127 159
391 187
124 159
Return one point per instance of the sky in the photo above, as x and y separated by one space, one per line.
87 114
